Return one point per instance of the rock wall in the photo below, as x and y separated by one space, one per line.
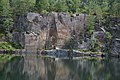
52 30
114 29
48 31
19 37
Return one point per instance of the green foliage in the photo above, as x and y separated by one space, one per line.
16 45
90 24
41 6
6 45
60 6
22 6
9 46
94 44
8 23
109 36
1 8
9 9
99 7
7 26
116 9
6 20
1 35
6 57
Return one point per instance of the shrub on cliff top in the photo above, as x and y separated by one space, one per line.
9 46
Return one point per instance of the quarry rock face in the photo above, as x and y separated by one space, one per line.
53 30
61 30
19 38
115 42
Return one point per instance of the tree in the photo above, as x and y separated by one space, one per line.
22 6
60 6
6 21
41 5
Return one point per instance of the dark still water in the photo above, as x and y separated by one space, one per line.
36 68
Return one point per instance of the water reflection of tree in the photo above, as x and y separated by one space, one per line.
13 70
82 69
93 69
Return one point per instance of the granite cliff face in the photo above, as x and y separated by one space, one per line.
52 30
114 29
61 30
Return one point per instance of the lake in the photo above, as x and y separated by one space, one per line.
39 68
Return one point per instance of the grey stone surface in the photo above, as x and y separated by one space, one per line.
115 46
100 35
114 29
51 30
19 38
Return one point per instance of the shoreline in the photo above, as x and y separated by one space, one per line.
54 53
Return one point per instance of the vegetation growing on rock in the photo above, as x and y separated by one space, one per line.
99 13
9 46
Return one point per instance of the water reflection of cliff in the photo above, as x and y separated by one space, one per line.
36 68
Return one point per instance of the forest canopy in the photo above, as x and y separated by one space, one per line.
9 9
100 7
100 13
